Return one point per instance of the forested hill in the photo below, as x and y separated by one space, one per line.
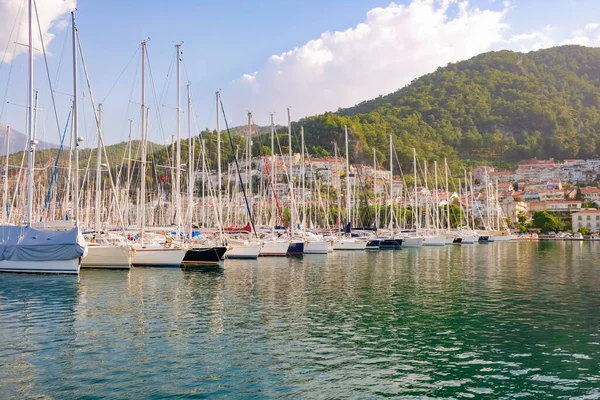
497 107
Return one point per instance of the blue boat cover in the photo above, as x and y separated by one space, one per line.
20 243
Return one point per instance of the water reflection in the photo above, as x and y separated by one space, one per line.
502 319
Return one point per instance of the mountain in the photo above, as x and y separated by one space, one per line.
18 141
498 107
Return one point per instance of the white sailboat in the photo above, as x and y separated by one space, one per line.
24 248
153 254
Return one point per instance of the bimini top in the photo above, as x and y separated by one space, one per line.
19 243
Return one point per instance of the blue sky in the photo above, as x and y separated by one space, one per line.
229 44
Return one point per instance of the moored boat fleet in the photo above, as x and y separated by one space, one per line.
120 217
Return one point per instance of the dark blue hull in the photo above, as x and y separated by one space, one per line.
390 244
296 249
484 239
373 244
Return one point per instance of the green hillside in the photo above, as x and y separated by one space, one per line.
498 107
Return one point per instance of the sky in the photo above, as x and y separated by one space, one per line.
265 55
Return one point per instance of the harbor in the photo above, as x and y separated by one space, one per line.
496 320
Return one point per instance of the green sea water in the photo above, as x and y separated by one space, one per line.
503 320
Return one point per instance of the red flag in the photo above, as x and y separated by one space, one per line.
15 173
164 178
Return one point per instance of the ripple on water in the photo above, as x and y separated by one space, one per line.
498 321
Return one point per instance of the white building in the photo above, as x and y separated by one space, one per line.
586 217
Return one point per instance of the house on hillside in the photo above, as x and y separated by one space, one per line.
587 217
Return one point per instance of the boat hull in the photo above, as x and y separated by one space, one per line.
274 248
412 242
208 255
42 267
316 247
158 257
390 244
243 251
373 244
349 245
295 248
107 257
434 241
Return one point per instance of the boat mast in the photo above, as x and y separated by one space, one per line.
290 174
30 119
249 154
391 186
302 178
75 123
375 189
219 183
338 193
191 179
142 170
416 211
347 176
447 196
128 171
178 159
98 173
5 185
274 179
467 199
436 200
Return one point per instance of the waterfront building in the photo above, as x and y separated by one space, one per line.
587 217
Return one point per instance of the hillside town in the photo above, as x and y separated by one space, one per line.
565 189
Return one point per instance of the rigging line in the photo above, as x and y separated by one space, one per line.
156 102
11 33
37 16
267 167
56 165
100 136
121 74
237 166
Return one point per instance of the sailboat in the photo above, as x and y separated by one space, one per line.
24 248
160 252
105 250
348 242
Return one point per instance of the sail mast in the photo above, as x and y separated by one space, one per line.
75 122
191 180
178 159
142 170
98 173
274 179
5 185
290 175
347 176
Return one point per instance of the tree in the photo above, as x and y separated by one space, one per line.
546 222
584 230
589 204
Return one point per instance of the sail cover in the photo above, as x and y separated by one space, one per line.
19 243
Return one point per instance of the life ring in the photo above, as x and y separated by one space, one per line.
168 244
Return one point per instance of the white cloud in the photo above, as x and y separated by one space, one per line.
391 47
13 13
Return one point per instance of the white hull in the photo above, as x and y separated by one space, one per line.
107 256
449 240
157 257
316 247
349 244
469 239
412 242
43 267
499 238
434 241
243 251
274 248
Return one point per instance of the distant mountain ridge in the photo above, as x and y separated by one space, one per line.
18 141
